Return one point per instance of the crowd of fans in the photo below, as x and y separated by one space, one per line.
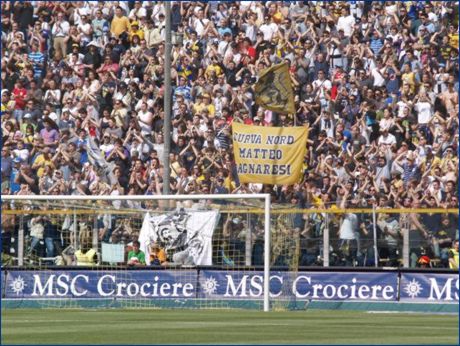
376 82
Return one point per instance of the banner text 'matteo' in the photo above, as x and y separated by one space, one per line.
269 155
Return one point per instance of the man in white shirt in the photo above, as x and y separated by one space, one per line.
200 23
60 31
250 27
138 12
377 72
269 28
322 85
346 22
145 118
152 35
386 138
423 109
224 45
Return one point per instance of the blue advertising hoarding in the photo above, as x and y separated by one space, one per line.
232 285
149 284
205 284
427 287
300 285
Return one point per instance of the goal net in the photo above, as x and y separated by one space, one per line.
194 251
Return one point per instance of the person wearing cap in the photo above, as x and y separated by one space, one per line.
409 167
119 113
107 139
135 31
233 227
224 45
92 59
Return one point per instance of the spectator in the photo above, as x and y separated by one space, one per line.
120 24
60 32
453 255
157 255
136 256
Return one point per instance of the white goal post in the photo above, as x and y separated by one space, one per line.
264 197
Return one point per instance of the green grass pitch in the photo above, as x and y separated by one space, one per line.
142 326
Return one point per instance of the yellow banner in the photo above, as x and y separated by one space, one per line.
273 90
269 155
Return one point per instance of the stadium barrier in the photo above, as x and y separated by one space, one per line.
244 236
166 288
299 237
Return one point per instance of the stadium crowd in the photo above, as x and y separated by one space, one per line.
376 82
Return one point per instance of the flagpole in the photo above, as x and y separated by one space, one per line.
167 100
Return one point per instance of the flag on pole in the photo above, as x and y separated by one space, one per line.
274 89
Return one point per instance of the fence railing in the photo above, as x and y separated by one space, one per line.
332 237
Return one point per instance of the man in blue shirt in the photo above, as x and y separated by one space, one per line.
182 89
376 43
224 28
37 59
426 24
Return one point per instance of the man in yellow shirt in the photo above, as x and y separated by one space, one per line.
120 23
453 36
430 161
199 105
213 67
86 255
208 106
41 161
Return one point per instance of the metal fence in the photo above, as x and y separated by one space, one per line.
331 237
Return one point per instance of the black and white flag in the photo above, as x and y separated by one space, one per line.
186 234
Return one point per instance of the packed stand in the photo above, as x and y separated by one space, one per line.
376 82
